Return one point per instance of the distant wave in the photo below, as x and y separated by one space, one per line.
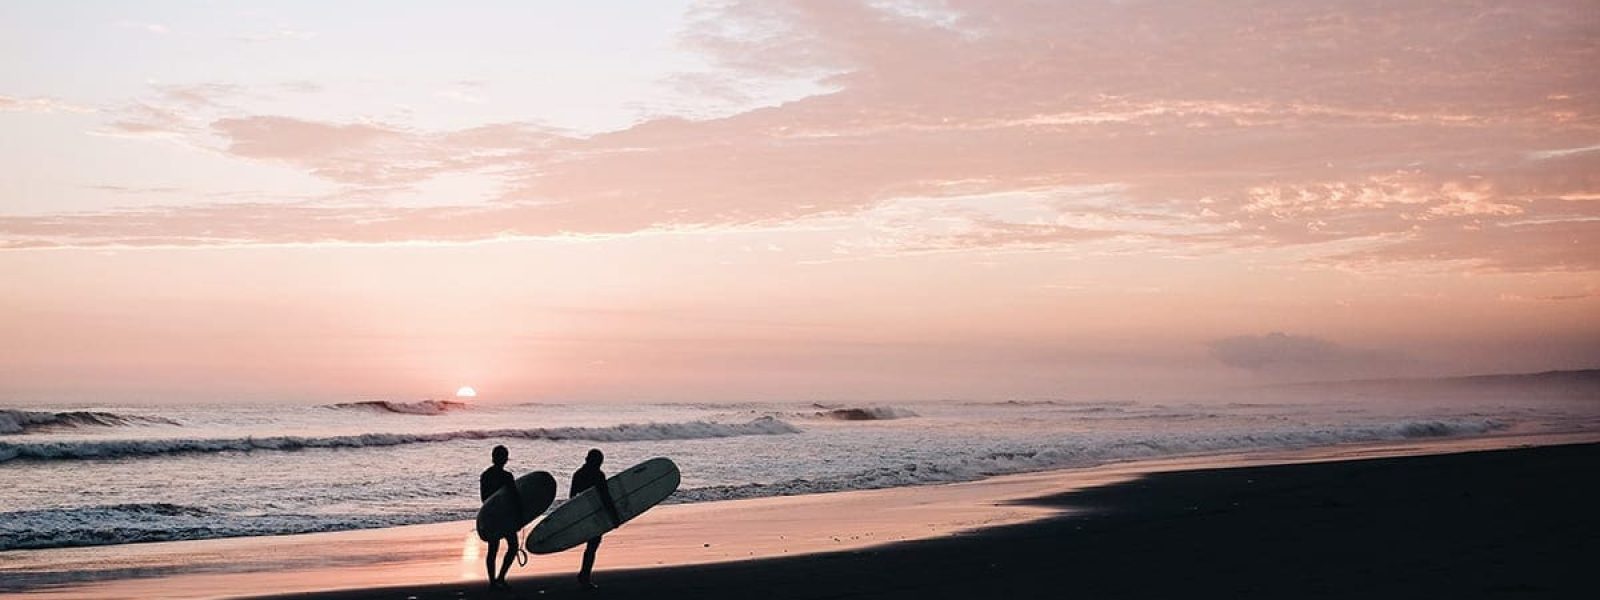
1018 403
28 421
871 413
420 407
631 432
1083 407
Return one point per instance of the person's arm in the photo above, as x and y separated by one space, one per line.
511 487
605 500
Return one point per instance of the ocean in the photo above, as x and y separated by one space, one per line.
97 475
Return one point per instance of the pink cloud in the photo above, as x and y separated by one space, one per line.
141 118
373 154
1417 125
40 105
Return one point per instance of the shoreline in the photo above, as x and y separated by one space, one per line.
684 536
1508 522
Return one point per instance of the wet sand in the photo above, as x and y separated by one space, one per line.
1318 523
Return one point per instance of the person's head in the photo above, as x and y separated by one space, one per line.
501 455
594 458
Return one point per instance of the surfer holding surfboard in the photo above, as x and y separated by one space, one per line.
509 504
599 505
494 479
586 477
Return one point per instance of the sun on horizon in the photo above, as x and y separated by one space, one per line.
466 391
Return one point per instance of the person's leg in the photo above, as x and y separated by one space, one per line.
587 573
511 557
488 562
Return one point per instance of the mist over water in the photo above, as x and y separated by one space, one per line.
121 475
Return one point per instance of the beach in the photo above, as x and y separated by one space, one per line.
1502 523
792 299
1474 515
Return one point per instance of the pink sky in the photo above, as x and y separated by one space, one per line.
791 200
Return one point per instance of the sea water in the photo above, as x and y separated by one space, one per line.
95 475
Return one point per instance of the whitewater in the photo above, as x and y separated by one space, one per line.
96 475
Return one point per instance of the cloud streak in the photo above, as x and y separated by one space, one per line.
40 105
1298 126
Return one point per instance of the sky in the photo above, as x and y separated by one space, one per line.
820 200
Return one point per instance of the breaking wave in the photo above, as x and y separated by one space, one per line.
631 432
421 407
871 413
28 421
164 522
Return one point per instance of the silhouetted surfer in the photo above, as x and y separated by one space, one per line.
590 476
492 479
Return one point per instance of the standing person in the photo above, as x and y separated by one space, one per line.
590 476
492 480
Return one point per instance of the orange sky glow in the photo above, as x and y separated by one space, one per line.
791 200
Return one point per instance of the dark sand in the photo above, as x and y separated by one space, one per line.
1496 524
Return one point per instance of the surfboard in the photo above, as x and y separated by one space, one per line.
583 518
500 517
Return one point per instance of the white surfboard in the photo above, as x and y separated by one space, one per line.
583 518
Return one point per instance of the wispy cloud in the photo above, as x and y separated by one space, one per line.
1510 297
151 28
459 95
1563 152
276 35
1253 128
40 105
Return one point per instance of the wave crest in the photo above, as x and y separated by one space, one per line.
420 407
29 421
629 432
870 413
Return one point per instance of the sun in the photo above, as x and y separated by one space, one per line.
466 391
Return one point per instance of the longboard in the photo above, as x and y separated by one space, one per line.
583 518
500 517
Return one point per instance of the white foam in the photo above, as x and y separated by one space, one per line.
161 522
628 432
968 467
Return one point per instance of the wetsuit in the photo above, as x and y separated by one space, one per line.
586 477
492 479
